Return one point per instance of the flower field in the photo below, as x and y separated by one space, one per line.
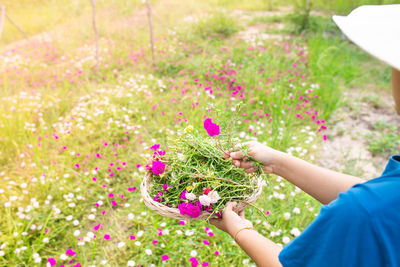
74 143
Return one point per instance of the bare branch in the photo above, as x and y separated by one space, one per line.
15 25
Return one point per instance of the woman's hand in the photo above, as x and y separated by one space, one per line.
264 154
231 222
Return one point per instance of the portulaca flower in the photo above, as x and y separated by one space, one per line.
205 200
190 196
213 195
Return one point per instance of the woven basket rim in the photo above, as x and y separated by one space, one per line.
166 211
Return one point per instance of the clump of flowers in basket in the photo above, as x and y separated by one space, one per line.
193 179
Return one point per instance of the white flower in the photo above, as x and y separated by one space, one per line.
148 252
46 240
121 244
190 196
138 243
296 210
63 257
193 253
131 263
1 253
295 232
77 232
179 232
213 195
286 216
205 200
285 239
140 233
75 222
91 217
189 232
69 217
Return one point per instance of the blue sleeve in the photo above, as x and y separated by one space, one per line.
341 235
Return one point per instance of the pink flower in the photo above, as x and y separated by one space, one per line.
130 189
181 222
132 237
194 262
110 195
216 252
158 167
164 257
193 211
155 147
206 242
52 261
106 236
205 200
211 128
205 264
183 195
114 203
97 227
70 252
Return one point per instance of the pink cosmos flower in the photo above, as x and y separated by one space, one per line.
206 242
216 252
158 167
106 236
205 264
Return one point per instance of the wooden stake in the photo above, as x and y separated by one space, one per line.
151 30
96 34
3 14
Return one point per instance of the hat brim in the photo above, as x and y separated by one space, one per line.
375 29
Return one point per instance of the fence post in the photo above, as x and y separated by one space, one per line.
151 30
3 14
96 34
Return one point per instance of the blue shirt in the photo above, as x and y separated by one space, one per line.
359 228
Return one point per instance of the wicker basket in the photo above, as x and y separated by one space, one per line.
174 212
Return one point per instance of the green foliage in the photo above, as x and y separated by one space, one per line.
217 26
385 140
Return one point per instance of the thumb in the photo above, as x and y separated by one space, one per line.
230 206
236 155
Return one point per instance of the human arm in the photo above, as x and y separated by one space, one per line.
263 251
396 88
322 184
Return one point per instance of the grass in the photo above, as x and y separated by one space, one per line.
385 140
69 138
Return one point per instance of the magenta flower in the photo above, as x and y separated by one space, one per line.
155 147
158 167
106 237
70 252
52 261
211 128
190 209
206 242
205 264
164 257
194 262
183 195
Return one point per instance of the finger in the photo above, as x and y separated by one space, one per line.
226 155
236 155
246 165
230 206
236 163
250 170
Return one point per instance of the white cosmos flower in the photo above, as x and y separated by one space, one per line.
286 216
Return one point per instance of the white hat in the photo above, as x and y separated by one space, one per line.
376 29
